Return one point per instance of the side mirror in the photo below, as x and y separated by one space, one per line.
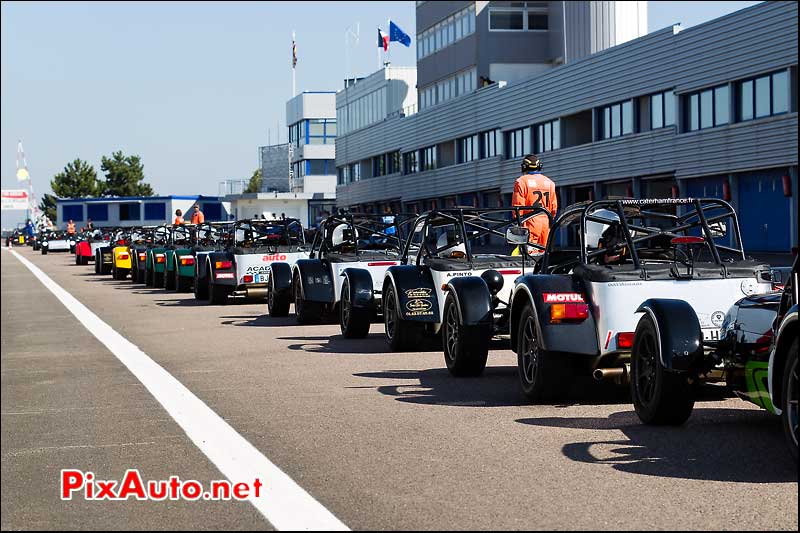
718 229
517 235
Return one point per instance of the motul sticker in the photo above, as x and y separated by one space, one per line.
273 257
562 297
224 275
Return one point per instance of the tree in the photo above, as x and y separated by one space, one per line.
48 207
77 180
254 185
124 176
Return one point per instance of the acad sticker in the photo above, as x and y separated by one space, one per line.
420 292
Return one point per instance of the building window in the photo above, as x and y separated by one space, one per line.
617 119
429 158
528 17
379 165
343 175
319 167
72 212
295 133
355 172
130 211
393 162
548 136
764 96
662 110
410 162
468 149
708 108
97 212
449 31
491 144
155 211
518 143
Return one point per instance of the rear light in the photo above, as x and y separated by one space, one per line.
514 272
223 265
624 340
123 256
248 279
575 312
142 257
160 258
120 242
382 263
688 240
187 261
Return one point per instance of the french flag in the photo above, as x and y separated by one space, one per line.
383 40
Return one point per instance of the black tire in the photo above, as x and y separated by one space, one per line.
789 399
217 294
277 301
98 261
77 259
148 277
466 348
120 273
543 375
660 397
354 323
306 312
44 250
182 283
401 335
200 289
158 279
170 283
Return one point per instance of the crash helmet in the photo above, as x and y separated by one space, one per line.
594 230
342 234
449 238
531 163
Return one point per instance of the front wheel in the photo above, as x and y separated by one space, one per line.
660 397
542 374
401 335
277 302
466 348
789 399
353 322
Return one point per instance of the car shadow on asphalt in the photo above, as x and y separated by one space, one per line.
734 445
189 301
497 387
335 344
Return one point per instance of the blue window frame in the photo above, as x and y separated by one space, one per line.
73 212
320 130
97 212
155 211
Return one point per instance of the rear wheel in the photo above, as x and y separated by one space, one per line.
217 294
789 399
466 348
44 250
353 322
401 335
200 289
277 302
97 262
158 279
542 375
148 277
169 279
182 283
660 397
306 312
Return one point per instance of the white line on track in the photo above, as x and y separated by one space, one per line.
283 502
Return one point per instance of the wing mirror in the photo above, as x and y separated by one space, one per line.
517 235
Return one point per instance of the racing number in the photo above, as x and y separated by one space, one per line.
538 198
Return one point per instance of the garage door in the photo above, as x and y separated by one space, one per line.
764 211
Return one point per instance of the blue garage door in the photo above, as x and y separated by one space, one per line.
764 211
212 210
709 187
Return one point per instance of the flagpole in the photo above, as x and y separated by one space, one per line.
294 67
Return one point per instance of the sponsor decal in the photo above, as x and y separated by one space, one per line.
257 269
273 257
625 284
224 275
458 274
420 292
562 297
717 318
418 305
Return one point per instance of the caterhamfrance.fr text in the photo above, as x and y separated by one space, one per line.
76 483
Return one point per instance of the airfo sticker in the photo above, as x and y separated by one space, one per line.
418 306
717 318
562 297
420 292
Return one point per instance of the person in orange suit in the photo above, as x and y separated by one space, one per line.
534 189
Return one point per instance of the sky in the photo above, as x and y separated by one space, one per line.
194 88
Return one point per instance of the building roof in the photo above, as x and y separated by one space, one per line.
117 199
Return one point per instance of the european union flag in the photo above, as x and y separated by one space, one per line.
396 34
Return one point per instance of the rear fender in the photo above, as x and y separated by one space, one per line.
473 298
316 281
416 294
577 338
281 274
360 283
221 276
679 334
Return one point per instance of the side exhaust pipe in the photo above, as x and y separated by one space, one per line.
620 374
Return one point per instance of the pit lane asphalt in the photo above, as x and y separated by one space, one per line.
384 441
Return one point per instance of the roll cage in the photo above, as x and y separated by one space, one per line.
212 233
361 233
474 223
649 231
250 233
